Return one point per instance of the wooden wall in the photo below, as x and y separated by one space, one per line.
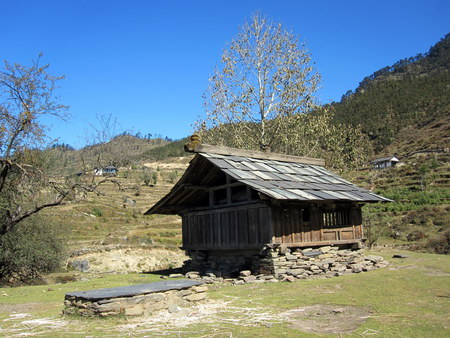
310 225
254 225
238 227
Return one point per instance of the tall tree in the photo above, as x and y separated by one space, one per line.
27 93
265 76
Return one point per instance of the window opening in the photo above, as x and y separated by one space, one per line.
306 215
220 196
239 194
336 217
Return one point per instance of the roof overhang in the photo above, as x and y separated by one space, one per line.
277 177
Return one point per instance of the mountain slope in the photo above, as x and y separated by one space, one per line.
410 92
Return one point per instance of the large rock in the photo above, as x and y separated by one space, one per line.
312 253
196 297
200 289
136 310
296 272
79 265
249 279
245 273
374 259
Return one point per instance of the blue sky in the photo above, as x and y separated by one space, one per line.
147 63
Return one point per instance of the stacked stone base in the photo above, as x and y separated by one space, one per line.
329 261
280 263
146 304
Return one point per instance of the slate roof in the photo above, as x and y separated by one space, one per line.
133 290
279 180
291 181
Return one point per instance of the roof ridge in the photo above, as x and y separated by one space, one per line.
207 148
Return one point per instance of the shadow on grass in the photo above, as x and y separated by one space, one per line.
164 272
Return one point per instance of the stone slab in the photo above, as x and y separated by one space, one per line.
312 253
134 290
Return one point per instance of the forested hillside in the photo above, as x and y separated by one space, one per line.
412 91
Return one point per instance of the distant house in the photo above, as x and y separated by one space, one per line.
384 162
107 171
235 202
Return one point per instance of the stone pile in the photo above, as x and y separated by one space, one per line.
282 264
327 260
144 299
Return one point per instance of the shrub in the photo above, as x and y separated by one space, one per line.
173 176
28 251
146 177
155 177
439 244
415 235
375 227
97 212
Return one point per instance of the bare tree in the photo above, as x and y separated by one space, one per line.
108 144
27 93
98 152
265 76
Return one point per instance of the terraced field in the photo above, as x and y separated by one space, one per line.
419 217
115 216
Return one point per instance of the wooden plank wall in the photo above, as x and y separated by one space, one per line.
242 227
291 228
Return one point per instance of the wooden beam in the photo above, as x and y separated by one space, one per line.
188 186
228 185
224 248
260 246
321 243
228 190
206 148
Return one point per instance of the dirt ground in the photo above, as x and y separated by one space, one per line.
132 260
319 318
327 319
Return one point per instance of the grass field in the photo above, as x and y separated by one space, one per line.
410 298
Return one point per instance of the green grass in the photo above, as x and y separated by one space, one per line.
406 200
410 299
407 299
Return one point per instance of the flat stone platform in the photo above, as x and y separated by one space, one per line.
141 299
133 290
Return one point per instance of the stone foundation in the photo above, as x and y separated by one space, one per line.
134 300
304 263
226 264
281 263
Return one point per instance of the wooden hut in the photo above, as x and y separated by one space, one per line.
233 200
